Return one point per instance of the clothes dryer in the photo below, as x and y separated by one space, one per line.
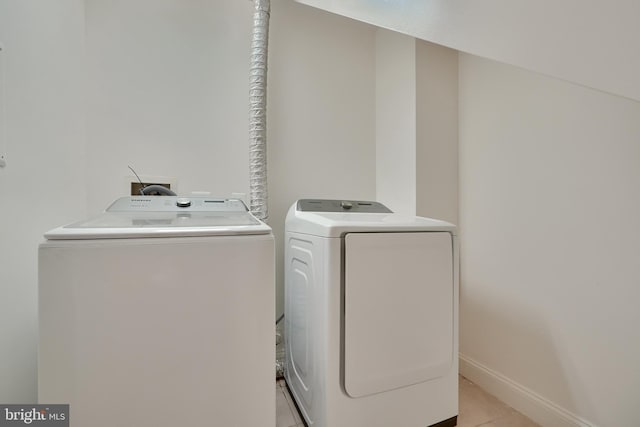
371 316
159 313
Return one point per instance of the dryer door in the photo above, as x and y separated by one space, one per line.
398 310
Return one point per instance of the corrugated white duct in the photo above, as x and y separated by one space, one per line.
258 110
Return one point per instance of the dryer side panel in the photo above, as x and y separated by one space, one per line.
399 309
301 327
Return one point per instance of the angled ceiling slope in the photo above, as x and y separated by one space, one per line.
592 43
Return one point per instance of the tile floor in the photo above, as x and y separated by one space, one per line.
476 408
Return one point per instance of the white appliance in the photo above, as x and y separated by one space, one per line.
159 313
371 316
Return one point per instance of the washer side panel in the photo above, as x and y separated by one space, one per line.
180 323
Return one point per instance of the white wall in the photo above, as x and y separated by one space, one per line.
590 42
416 126
395 123
321 112
42 185
436 154
550 220
167 93
163 86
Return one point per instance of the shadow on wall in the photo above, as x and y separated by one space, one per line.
515 346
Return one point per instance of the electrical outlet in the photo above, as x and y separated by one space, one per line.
134 185
137 186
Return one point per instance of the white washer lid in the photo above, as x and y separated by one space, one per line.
164 216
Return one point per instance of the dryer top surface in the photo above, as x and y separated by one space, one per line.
332 219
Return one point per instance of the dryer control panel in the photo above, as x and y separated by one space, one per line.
323 205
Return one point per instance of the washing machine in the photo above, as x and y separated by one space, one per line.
371 316
159 313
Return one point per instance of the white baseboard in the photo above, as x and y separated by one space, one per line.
524 400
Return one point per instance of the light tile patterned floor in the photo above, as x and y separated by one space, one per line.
476 408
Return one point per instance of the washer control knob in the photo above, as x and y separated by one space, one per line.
346 205
183 203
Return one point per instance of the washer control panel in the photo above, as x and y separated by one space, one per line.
172 204
323 205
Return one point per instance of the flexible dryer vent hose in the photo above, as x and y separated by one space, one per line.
258 110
